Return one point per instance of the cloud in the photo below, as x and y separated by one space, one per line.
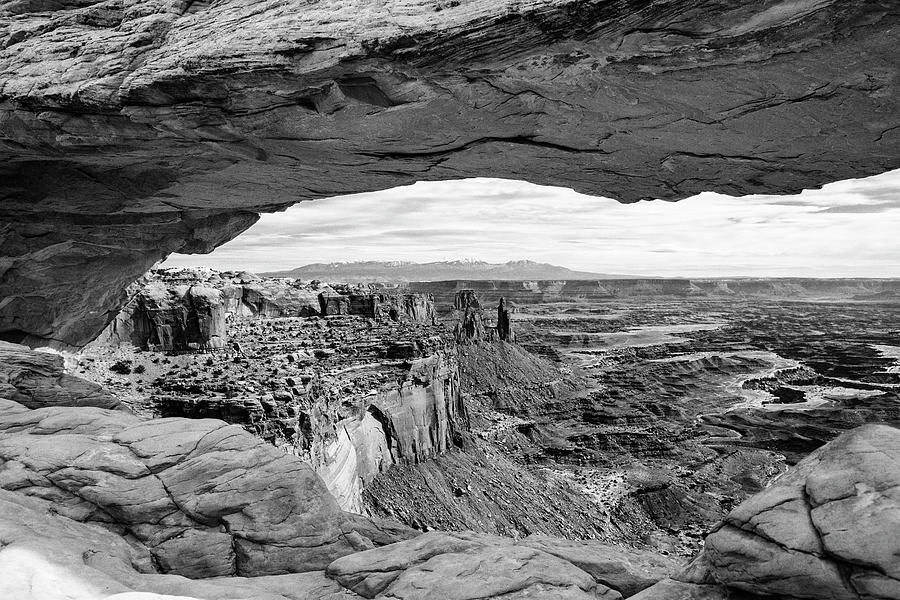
848 228
862 208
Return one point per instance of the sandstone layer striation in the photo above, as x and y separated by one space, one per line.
132 130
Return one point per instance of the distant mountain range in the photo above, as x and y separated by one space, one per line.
400 271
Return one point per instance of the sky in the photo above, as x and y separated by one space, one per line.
847 229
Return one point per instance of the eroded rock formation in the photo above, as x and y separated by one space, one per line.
465 565
129 131
469 316
504 327
46 555
187 309
100 502
202 498
38 379
353 379
821 530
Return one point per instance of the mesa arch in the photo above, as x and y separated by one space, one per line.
133 129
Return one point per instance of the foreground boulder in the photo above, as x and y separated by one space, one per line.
37 379
669 589
627 571
205 498
463 566
45 556
826 529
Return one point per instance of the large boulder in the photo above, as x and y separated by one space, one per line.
205 498
825 530
627 571
669 589
38 379
464 566
46 556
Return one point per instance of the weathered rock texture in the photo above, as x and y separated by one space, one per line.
352 393
173 318
97 503
504 327
405 422
469 316
37 379
47 556
465 566
188 309
824 530
201 497
131 130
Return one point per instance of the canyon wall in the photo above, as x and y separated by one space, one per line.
187 309
525 292
366 378
347 434
406 423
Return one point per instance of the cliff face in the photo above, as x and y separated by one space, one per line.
188 309
132 130
408 423
446 293
353 379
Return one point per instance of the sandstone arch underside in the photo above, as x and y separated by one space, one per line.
130 129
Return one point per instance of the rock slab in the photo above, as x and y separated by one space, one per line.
822 530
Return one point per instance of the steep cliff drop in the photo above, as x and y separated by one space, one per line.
353 379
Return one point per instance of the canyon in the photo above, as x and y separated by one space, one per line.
227 436
591 456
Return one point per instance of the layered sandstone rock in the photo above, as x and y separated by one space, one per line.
129 131
38 379
404 423
272 298
365 378
464 566
100 503
46 556
203 497
822 530
181 317
187 309
627 571
469 317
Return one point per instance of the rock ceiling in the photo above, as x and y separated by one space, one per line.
130 129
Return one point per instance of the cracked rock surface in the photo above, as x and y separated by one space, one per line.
201 497
823 530
37 379
44 555
130 130
464 566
